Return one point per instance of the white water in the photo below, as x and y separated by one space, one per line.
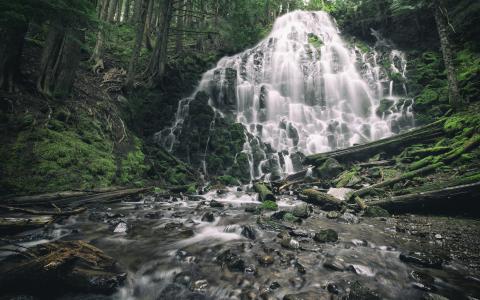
300 97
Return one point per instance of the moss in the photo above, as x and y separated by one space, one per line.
347 179
314 40
228 180
289 217
375 211
132 167
462 122
192 188
269 205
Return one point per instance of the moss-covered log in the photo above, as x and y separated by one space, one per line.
324 200
390 145
452 199
408 175
264 193
10 225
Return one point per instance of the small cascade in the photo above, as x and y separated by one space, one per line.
304 90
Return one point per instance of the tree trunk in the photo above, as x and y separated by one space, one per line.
99 45
140 27
118 16
11 46
148 23
60 60
156 67
442 28
126 14
112 8
180 26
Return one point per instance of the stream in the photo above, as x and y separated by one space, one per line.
217 246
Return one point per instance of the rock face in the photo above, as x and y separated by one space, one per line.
61 266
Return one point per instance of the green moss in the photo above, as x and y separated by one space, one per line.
289 217
347 179
269 205
228 180
462 122
314 40
132 167
192 188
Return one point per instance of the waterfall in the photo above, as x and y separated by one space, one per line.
303 89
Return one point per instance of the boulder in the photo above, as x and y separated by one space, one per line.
329 169
326 236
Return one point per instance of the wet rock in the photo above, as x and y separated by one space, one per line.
233 262
349 218
422 259
333 215
326 236
423 281
61 266
183 278
250 270
300 268
289 217
358 291
339 193
329 169
274 285
248 232
120 228
361 270
200 285
334 265
279 215
153 215
375 212
217 204
332 288
299 233
266 260
289 243
431 296
305 296
208 217
251 209
301 211
173 291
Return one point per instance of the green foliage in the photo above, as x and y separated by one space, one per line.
462 122
269 205
132 167
228 180
315 41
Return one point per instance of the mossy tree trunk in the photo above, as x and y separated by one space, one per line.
97 55
11 46
156 67
441 19
140 27
60 59
180 26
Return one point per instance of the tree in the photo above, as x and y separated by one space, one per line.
156 67
140 27
441 19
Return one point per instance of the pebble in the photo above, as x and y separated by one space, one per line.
266 260
438 236
120 228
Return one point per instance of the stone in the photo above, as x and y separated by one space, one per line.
329 169
333 215
375 212
233 262
310 295
208 217
274 285
332 288
300 268
334 265
266 260
339 193
358 291
422 259
326 236
301 211
248 232
289 243
120 228
349 218
215 203
250 270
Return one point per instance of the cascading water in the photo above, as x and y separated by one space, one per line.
303 90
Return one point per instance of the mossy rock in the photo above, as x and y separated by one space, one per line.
329 169
269 205
384 109
375 211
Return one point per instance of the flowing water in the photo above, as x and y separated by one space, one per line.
304 89
183 248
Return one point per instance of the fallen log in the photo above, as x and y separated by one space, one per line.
324 200
377 163
74 201
40 212
389 145
264 193
11 225
59 267
463 198
386 183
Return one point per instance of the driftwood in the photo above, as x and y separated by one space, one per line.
264 193
390 145
377 163
324 200
457 198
